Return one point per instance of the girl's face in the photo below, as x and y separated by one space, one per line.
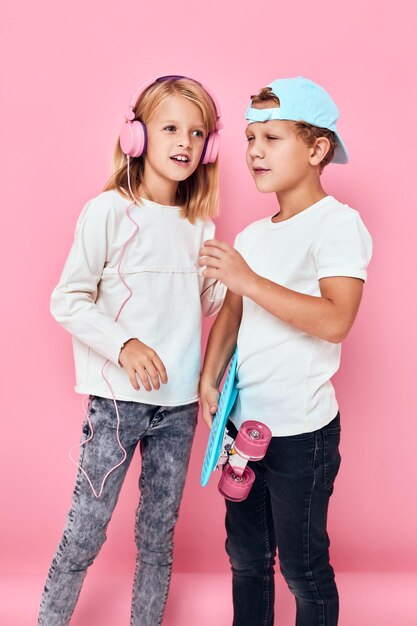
176 136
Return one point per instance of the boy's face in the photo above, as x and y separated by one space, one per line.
278 159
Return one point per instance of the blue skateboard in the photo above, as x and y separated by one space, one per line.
232 455
227 400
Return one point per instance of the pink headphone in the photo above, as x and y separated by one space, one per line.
133 137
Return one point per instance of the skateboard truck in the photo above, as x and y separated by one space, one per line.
251 444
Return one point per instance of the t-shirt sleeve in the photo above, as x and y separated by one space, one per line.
345 248
238 243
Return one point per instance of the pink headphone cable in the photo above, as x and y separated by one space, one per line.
89 438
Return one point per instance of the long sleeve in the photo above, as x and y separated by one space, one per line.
73 301
212 291
212 296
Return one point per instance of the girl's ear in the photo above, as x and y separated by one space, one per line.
319 150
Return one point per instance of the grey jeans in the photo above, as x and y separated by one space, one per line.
165 435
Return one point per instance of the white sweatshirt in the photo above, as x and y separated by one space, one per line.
160 265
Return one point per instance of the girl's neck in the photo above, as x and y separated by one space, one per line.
158 189
158 197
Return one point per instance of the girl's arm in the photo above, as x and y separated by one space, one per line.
73 302
220 347
328 317
212 292
212 296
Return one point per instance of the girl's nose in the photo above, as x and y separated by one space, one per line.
184 141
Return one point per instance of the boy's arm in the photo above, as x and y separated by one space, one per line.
329 316
220 347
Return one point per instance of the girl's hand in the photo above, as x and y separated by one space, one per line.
138 359
209 398
226 264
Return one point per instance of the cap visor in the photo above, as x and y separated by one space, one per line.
340 154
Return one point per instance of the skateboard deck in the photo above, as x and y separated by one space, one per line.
227 400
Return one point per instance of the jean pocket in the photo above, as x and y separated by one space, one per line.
85 430
91 400
331 456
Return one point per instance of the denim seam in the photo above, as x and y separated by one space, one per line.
309 571
267 550
328 480
325 462
64 540
141 483
168 581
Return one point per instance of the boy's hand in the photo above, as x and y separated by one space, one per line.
140 360
209 398
226 264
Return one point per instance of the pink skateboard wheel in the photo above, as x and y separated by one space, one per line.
233 487
252 440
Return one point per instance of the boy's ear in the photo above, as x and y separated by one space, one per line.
319 150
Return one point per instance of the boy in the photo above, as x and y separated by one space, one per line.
294 288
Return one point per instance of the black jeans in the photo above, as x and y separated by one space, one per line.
286 509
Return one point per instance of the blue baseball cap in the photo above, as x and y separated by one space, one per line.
301 100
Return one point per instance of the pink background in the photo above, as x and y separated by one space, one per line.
70 71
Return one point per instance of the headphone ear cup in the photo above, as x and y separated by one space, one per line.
211 149
133 138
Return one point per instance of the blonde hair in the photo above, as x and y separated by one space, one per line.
307 132
198 195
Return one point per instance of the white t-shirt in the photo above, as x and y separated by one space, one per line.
284 373
160 265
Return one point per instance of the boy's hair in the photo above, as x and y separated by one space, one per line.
198 195
307 132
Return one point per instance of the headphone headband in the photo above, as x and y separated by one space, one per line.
129 115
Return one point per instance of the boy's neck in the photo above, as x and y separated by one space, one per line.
296 200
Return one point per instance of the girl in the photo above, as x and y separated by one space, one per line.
132 296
